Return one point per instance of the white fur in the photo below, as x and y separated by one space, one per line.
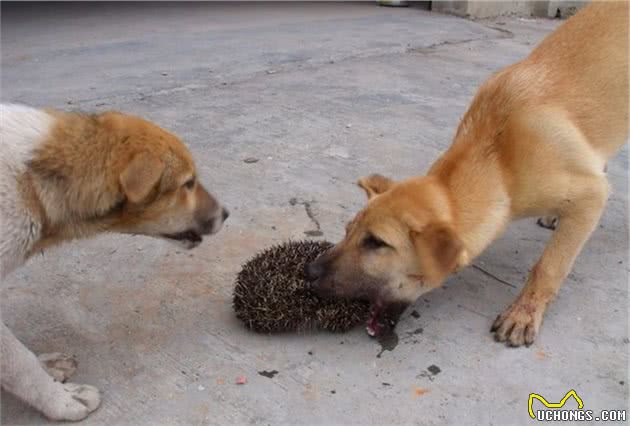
22 129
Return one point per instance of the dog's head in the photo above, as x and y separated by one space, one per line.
398 247
163 195
121 173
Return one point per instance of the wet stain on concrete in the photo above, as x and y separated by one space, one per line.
434 369
388 342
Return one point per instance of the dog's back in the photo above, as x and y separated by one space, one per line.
591 50
561 110
580 71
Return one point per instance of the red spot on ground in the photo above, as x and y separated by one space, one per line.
420 391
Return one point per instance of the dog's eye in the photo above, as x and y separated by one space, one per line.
190 183
372 242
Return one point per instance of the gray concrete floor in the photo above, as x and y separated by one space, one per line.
321 94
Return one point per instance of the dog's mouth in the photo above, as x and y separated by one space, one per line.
190 238
384 316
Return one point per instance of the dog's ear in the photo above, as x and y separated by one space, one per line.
438 250
140 176
375 184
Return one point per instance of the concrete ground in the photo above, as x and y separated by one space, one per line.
321 95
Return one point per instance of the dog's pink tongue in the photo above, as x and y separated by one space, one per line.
374 327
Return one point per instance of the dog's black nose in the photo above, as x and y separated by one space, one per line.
225 214
208 226
313 271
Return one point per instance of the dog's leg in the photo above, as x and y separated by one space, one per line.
519 324
551 222
23 376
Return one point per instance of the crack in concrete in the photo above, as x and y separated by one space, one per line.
491 275
508 33
311 215
191 87
434 46
505 34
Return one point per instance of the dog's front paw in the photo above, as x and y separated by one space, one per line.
60 366
72 402
519 324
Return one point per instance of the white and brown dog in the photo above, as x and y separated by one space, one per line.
65 176
534 142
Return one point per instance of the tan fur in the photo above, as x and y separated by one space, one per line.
534 142
112 172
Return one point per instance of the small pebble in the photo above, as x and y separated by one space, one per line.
200 388
250 160
241 380
164 73
348 126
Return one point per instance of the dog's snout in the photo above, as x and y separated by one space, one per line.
214 223
313 271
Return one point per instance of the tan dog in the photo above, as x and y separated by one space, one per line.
65 176
534 142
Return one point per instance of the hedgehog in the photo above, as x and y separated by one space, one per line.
272 295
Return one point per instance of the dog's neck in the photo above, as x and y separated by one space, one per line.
68 198
470 171
480 205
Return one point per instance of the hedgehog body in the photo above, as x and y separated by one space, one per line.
272 294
